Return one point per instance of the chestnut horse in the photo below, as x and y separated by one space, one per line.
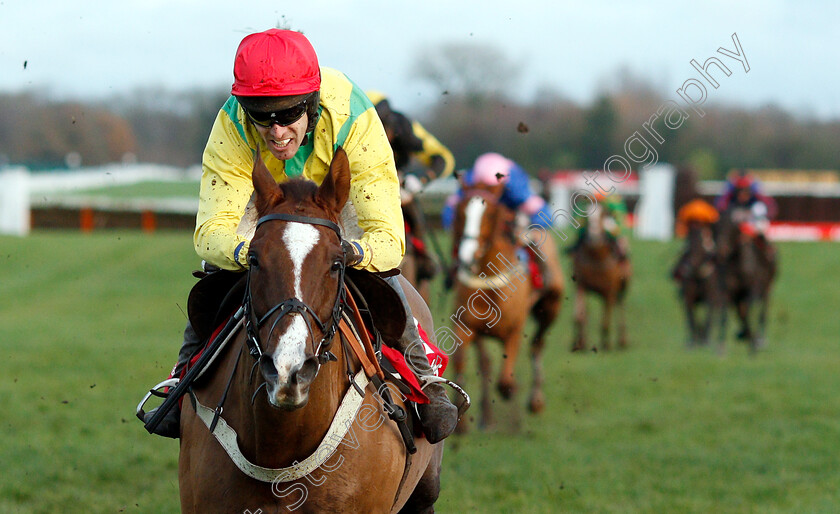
494 295
597 269
282 451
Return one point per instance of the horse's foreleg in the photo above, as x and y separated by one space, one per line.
606 319
621 311
579 342
723 313
762 321
507 383
486 375
744 307
545 313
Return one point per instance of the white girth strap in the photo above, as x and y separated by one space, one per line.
491 281
344 417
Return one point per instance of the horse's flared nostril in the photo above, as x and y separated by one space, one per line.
305 374
267 368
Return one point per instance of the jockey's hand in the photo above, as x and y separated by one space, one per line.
352 256
412 184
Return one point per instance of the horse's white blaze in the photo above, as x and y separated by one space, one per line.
299 239
473 213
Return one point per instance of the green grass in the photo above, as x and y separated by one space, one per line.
149 189
88 322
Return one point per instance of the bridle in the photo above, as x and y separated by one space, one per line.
294 305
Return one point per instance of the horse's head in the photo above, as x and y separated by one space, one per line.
479 220
295 279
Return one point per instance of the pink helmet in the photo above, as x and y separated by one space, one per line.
491 169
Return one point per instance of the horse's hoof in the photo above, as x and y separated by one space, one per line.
506 390
537 402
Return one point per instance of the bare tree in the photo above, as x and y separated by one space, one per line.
466 69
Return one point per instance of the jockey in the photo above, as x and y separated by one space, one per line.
743 201
493 169
615 225
296 114
410 140
419 157
696 212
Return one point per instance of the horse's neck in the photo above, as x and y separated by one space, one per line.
272 437
499 249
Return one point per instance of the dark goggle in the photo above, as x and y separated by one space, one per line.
284 118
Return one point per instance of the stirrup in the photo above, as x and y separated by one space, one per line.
169 382
426 380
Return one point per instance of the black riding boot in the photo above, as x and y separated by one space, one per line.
170 425
438 417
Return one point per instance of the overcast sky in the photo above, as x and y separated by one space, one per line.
91 49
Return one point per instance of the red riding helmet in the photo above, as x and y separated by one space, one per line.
275 63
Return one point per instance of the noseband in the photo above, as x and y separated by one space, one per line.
294 305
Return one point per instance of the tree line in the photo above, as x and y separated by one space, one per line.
473 114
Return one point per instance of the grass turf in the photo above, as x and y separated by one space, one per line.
87 322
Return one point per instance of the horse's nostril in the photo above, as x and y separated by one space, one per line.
267 368
305 374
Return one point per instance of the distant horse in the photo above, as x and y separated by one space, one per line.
285 453
494 295
698 282
747 266
597 269
418 266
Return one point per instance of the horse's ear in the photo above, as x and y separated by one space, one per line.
268 193
335 189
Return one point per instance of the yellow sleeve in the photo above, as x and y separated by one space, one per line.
431 148
226 188
375 193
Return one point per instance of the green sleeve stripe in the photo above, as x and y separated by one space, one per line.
359 103
231 107
295 165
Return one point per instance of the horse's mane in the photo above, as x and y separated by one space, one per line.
301 190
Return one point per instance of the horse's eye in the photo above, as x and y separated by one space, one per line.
253 261
336 265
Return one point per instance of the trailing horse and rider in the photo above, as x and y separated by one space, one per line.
735 263
601 266
505 266
420 158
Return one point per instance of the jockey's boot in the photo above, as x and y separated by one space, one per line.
170 425
438 417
